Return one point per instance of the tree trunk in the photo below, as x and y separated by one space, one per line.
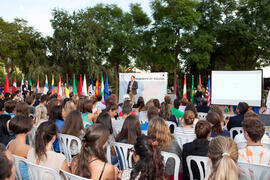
116 72
176 60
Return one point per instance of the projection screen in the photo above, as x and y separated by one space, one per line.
232 87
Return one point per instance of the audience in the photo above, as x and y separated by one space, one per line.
167 100
30 101
148 161
22 108
191 107
40 115
198 147
222 152
175 110
105 120
7 170
42 154
165 112
217 130
183 104
91 162
254 152
21 126
5 136
236 121
156 104
99 104
73 125
68 107
140 104
203 106
10 108
160 132
126 111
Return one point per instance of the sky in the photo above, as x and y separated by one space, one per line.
39 12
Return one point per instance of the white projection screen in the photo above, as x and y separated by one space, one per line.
232 87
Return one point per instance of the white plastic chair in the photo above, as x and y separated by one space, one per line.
143 117
122 151
17 160
166 156
42 172
183 139
144 132
267 132
237 129
253 171
202 116
65 142
199 161
170 123
70 176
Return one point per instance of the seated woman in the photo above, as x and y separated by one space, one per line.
42 154
198 147
191 107
217 130
184 103
140 104
40 115
68 107
91 162
222 151
148 161
160 132
87 115
130 131
73 125
21 126
56 116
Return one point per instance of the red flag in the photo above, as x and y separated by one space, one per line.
14 87
59 88
200 80
97 87
6 88
185 88
79 90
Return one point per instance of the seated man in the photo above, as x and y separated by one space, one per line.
203 107
7 171
254 152
236 121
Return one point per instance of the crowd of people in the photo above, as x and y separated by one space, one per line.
38 118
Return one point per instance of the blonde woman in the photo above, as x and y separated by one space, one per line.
160 132
223 155
69 106
40 115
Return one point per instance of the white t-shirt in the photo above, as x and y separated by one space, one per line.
254 155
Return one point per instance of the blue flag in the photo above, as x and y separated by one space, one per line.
106 89
207 93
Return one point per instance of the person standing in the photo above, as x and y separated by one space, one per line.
132 89
26 87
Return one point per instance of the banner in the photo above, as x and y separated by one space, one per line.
150 85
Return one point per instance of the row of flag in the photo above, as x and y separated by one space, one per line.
99 89
207 92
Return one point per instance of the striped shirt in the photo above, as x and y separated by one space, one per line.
254 155
184 135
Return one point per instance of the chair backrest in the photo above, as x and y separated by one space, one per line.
65 144
42 172
31 137
253 171
143 117
108 153
70 176
122 153
267 132
17 160
170 123
237 129
202 116
202 164
166 156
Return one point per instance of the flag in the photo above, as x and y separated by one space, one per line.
46 87
80 86
97 87
84 87
37 89
74 87
14 87
91 88
66 92
200 80
22 83
185 88
52 88
106 89
101 91
6 88
207 92
192 91
60 92
30 84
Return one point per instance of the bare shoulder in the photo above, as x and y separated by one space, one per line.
109 171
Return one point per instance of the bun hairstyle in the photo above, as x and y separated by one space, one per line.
45 133
223 153
150 165
189 117
214 119
93 141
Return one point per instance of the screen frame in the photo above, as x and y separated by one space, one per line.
262 85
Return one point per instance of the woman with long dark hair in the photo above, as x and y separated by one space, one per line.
91 162
42 153
148 161
140 104
130 131
214 119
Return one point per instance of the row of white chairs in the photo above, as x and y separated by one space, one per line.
41 172
202 116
